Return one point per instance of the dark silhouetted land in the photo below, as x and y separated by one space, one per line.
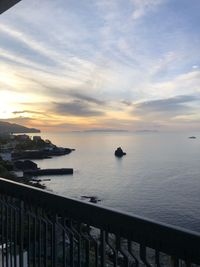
6 127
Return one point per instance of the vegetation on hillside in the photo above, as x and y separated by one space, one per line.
32 144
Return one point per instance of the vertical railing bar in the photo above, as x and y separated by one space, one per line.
143 255
39 242
48 240
79 244
88 246
157 258
7 227
45 243
2 230
6 234
103 248
174 261
121 250
15 237
188 264
29 241
72 233
42 240
118 248
34 241
112 248
21 233
63 242
54 240
96 255
118 245
52 245
71 246
87 252
11 237
130 250
1 243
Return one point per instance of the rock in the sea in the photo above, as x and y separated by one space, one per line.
119 152
92 199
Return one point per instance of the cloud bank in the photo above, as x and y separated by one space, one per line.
125 64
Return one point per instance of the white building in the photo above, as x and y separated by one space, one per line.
6 156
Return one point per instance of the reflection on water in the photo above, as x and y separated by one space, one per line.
159 177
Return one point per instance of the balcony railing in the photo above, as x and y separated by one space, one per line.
6 4
40 229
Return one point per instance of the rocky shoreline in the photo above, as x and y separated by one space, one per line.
17 151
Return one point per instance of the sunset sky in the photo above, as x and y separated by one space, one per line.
70 65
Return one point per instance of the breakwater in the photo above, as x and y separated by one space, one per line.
40 172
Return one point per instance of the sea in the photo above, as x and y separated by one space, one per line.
159 178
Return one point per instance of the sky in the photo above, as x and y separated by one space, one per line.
101 64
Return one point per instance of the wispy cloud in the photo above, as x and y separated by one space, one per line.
97 59
28 111
86 97
75 108
166 108
142 7
27 40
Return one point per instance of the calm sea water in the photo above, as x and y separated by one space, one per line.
159 178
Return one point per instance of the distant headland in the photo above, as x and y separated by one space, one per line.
105 131
6 127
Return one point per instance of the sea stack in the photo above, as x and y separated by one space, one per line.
119 152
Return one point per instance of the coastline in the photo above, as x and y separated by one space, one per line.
17 151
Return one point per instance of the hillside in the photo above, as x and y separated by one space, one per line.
6 127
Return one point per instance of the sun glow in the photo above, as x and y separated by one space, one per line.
10 103
7 78
79 76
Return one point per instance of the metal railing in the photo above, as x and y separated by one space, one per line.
40 229
6 4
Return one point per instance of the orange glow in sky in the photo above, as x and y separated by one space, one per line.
101 65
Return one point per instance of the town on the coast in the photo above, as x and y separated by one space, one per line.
17 153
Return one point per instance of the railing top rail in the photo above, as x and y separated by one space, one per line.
169 239
6 4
